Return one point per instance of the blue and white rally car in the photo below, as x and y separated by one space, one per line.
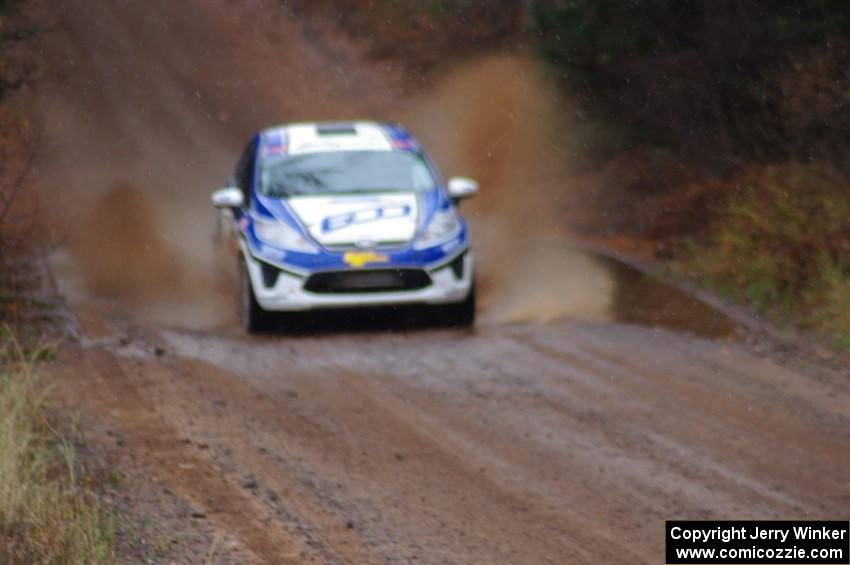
340 215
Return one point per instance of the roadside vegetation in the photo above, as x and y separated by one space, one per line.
715 83
14 28
752 100
47 514
425 33
782 244
17 69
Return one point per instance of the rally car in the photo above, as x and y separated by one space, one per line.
346 215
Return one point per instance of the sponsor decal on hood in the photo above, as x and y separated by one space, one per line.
356 219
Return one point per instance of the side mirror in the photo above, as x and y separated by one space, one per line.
229 197
461 187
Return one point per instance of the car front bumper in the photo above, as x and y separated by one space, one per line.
288 293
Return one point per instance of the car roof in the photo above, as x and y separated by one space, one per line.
315 137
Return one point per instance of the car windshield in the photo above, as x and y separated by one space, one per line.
340 172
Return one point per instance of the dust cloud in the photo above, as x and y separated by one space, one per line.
498 121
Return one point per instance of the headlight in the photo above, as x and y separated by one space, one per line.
279 234
444 225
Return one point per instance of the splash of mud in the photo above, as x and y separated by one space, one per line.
499 121
549 281
121 251
118 255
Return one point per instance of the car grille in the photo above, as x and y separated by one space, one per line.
377 280
383 246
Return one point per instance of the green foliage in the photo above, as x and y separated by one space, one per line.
691 74
9 6
829 301
782 243
592 35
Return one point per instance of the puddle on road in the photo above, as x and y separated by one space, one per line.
549 280
642 299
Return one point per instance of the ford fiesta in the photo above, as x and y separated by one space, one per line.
345 215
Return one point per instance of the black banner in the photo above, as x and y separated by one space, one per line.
694 542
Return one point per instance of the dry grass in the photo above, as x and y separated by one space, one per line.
47 515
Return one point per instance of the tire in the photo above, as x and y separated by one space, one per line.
254 319
462 314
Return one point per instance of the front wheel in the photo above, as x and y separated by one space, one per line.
254 318
462 314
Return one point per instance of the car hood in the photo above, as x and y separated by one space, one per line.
358 219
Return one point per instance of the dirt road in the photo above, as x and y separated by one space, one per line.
569 441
